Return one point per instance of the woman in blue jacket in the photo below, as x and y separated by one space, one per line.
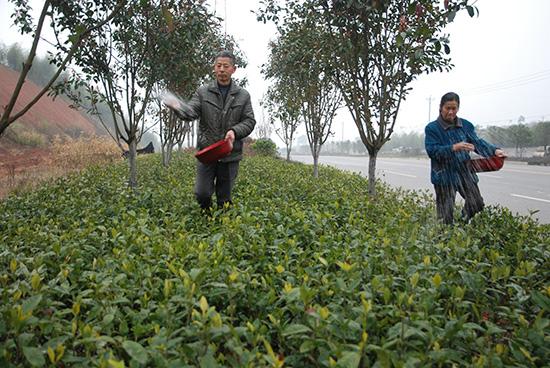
449 141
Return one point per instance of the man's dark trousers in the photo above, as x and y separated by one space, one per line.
219 177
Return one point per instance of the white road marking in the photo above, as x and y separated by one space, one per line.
527 172
401 163
533 198
396 173
492 176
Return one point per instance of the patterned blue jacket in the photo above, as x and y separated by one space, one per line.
446 165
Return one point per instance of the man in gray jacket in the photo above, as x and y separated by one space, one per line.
224 111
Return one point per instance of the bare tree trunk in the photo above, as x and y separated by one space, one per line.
316 165
372 174
167 156
132 162
165 161
167 148
287 153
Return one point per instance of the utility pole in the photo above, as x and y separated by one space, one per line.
430 99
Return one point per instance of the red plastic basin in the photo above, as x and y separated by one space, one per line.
493 163
214 152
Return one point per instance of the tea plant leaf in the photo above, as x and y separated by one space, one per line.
34 356
203 303
307 346
31 303
135 351
208 360
116 363
295 329
195 274
541 300
349 359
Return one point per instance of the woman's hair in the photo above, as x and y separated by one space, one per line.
449 96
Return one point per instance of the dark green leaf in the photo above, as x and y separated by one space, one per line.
349 359
541 300
451 16
31 303
34 356
295 329
136 351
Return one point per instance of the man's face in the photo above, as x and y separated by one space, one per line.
224 69
449 111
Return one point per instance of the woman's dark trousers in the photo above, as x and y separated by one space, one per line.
445 198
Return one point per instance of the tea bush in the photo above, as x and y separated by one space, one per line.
264 147
298 272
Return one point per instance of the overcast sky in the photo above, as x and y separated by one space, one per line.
501 58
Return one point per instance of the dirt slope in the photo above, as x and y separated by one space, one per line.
47 117
25 146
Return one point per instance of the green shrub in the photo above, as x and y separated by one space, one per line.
265 147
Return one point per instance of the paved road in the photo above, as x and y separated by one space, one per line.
517 186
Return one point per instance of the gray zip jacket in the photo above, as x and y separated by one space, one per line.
217 118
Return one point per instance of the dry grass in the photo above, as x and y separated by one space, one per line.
23 172
77 154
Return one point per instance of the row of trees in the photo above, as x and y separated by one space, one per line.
121 53
404 143
518 137
361 54
14 56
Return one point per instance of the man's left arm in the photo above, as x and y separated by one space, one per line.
247 122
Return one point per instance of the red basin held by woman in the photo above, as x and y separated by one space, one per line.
484 164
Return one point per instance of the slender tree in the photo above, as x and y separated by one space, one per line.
3 54
542 135
284 113
382 48
115 69
299 59
496 135
182 61
264 125
520 137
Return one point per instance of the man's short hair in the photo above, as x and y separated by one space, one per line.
225 54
